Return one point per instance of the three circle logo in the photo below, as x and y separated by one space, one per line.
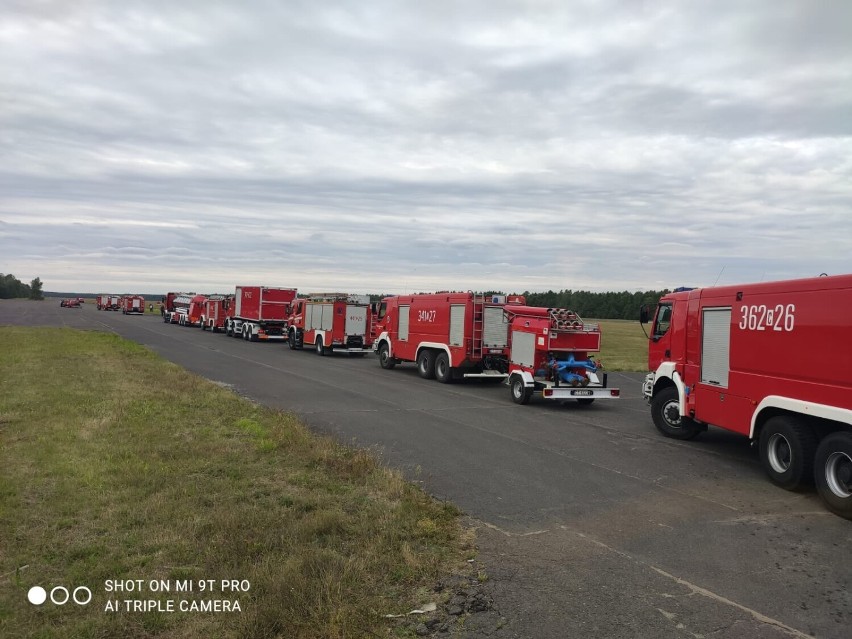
60 595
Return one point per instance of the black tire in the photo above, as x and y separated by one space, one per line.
787 450
443 370
385 360
519 391
667 418
291 340
426 364
585 401
833 473
322 351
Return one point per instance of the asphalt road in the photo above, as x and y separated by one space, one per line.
590 524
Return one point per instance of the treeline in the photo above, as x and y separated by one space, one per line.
11 287
623 305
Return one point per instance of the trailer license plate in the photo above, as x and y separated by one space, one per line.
582 392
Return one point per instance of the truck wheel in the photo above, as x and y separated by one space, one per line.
443 370
426 364
665 412
520 393
833 473
585 401
385 360
291 340
787 449
321 350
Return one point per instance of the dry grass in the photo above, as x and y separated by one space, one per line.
118 465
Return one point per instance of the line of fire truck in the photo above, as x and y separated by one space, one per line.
542 352
771 361
127 304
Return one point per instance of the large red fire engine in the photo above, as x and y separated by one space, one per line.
260 313
448 335
550 356
217 308
176 307
194 311
331 322
132 305
109 302
772 361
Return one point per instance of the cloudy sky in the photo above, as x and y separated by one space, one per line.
391 146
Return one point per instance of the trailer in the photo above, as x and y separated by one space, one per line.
217 309
331 323
133 305
260 313
448 335
769 361
550 356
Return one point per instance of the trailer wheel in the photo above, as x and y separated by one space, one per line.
520 393
665 412
585 401
426 364
443 370
787 448
833 473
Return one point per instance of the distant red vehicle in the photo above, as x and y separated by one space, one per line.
132 305
194 311
260 313
70 303
217 309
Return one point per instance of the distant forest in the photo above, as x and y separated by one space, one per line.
623 305
11 287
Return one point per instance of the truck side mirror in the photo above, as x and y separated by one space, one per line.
643 314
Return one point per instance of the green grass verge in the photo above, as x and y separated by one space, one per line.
624 346
115 464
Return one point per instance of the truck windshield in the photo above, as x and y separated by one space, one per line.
663 320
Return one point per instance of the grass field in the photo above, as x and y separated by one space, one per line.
117 465
624 347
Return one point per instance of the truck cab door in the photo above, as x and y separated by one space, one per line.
659 347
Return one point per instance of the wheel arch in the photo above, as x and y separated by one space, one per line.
822 418
435 346
667 377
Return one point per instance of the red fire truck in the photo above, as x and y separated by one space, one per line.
132 305
176 306
194 311
331 322
771 361
260 313
550 356
217 309
448 335
109 302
